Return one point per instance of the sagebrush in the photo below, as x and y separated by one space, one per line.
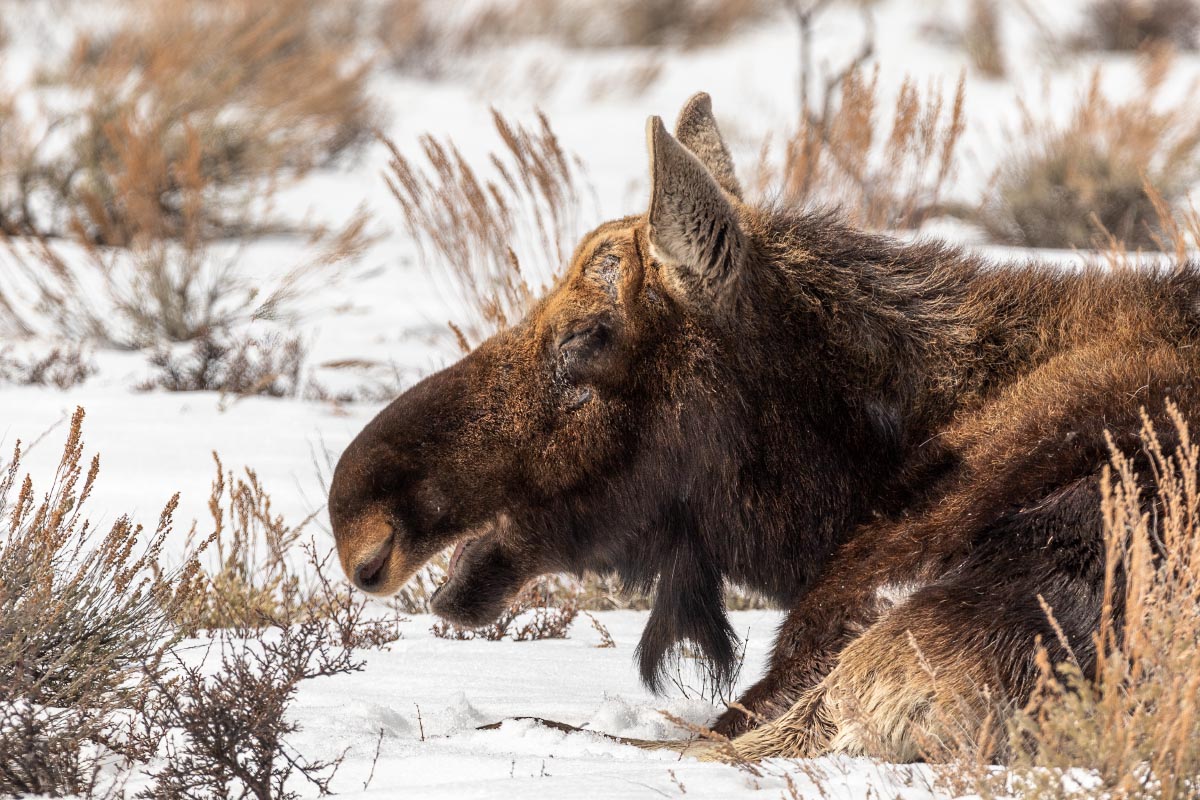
1084 183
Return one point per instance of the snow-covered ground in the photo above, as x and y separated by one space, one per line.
428 696
386 308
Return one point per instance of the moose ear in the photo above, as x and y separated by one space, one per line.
696 129
694 230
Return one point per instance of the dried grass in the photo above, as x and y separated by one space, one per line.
1131 730
208 94
267 574
191 115
92 683
840 156
1083 184
499 238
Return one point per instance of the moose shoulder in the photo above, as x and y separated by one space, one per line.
900 444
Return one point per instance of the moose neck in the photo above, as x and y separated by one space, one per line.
854 351
860 350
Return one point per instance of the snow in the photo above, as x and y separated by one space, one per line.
387 309
457 686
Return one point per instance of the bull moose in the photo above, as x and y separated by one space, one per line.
900 444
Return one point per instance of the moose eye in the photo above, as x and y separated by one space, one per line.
582 341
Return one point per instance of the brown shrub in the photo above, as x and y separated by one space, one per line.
211 94
1082 184
266 575
162 290
252 585
61 367
226 734
499 239
91 682
1134 24
430 38
839 156
646 23
269 366
85 617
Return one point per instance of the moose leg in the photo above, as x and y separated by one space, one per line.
843 603
1012 497
933 669
806 649
929 673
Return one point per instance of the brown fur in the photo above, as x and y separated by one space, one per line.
720 392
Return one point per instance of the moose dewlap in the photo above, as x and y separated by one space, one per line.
717 391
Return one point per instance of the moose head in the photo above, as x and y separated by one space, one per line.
610 430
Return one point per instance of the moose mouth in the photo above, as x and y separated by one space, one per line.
455 556
481 578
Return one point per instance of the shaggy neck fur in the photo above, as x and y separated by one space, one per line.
862 350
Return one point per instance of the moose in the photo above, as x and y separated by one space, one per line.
900 444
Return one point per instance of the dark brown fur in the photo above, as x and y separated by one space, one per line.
769 398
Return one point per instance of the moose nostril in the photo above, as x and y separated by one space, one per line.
370 573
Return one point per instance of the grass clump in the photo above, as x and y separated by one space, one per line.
1084 183
85 617
1135 24
189 117
499 236
269 366
429 39
94 685
235 91
266 574
61 367
1127 729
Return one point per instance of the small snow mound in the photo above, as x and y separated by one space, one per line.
390 720
460 714
618 717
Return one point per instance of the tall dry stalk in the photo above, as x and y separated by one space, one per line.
265 573
501 233
880 177
1130 730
